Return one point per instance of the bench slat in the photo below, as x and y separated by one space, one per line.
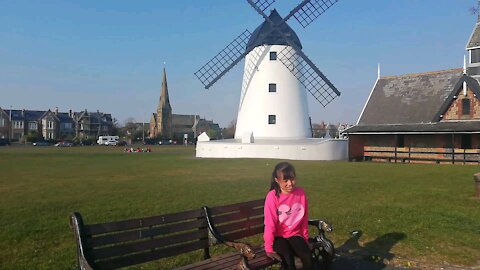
155 243
145 233
100 228
240 225
232 216
216 263
242 234
150 256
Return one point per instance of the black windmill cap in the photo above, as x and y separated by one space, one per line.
264 36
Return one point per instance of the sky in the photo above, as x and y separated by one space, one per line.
109 55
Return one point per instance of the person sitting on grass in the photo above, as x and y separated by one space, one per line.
286 219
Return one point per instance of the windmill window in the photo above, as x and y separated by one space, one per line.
272 119
272 87
465 106
273 56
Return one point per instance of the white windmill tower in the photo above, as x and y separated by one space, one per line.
277 75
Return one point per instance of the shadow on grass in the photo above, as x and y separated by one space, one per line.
371 256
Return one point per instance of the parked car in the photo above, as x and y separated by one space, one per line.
165 142
121 143
111 143
4 142
64 144
41 143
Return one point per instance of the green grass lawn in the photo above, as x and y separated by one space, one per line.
421 212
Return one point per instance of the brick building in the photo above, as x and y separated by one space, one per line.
435 112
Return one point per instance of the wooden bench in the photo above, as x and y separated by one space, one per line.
119 244
124 243
230 223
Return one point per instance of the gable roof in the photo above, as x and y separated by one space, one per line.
474 40
409 99
471 82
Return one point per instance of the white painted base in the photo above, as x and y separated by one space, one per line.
304 149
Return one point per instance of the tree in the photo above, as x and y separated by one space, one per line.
229 132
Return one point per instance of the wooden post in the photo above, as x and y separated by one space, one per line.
396 143
453 148
476 178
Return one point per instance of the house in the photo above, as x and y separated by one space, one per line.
53 125
90 125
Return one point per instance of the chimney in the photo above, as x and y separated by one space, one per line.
23 112
70 113
56 110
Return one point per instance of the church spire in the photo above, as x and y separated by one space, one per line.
164 100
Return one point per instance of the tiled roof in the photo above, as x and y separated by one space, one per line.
409 99
474 40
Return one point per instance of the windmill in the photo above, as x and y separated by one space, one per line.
277 74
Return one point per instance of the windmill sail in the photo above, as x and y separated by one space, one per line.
225 60
312 10
309 76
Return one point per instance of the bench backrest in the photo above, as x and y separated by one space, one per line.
240 220
118 244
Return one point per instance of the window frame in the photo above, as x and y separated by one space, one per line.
272 87
466 109
273 56
272 119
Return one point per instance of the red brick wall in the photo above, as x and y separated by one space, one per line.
454 112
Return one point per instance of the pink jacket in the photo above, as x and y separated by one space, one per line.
285 216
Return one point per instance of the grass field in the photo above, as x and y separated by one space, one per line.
421 212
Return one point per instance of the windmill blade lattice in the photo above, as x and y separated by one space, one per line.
226 59
314 81
263 4
312 10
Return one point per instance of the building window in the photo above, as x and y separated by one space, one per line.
50 125
475 56
67 125
465 106
17 124
2 122
272 119
272 87
273 56
32 126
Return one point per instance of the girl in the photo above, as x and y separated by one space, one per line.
286 219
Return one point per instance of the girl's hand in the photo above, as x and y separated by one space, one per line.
274 256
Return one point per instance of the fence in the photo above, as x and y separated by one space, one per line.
422 155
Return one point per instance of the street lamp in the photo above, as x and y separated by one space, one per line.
11 127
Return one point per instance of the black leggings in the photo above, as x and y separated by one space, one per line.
288 248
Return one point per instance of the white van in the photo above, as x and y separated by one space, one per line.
107 140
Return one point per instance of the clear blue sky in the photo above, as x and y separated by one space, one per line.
109 55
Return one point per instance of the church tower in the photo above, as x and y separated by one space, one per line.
161 121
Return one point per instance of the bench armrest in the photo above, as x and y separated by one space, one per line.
76 223
245 249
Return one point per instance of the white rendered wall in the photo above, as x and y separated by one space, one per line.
288 103
304 149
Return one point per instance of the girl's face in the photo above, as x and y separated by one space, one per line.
286 185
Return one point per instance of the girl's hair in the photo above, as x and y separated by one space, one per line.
288 172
